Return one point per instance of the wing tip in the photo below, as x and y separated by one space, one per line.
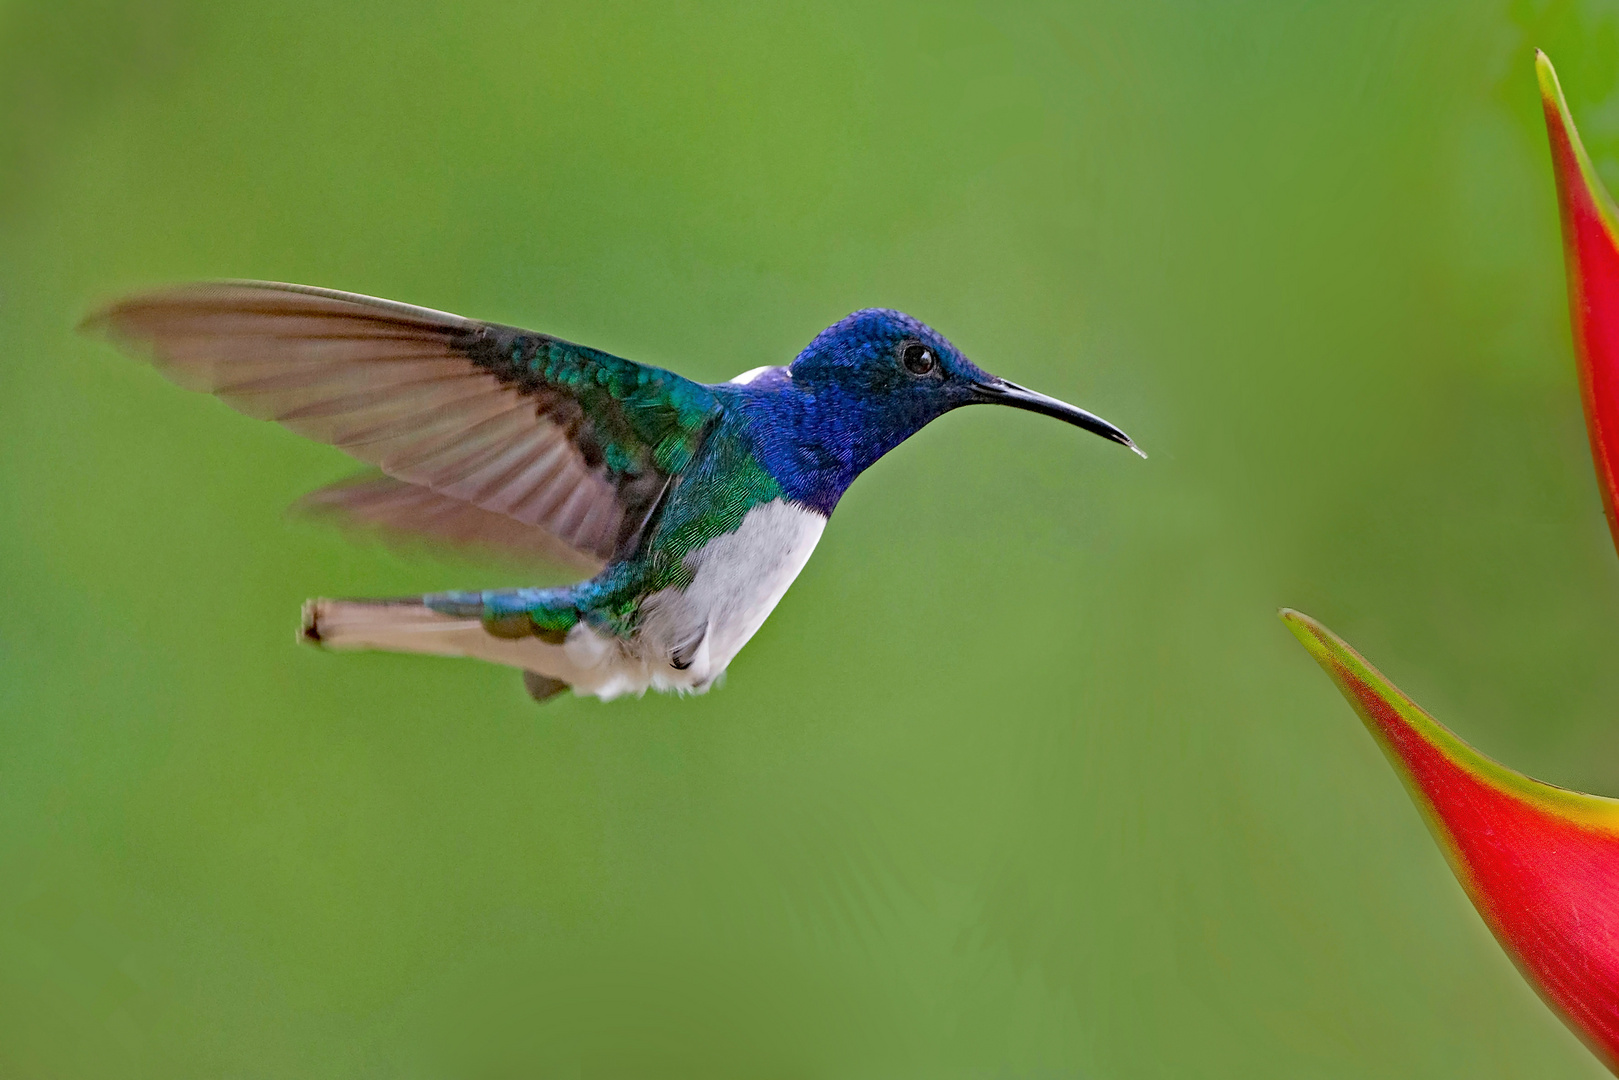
106 320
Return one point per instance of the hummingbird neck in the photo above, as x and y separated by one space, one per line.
814 440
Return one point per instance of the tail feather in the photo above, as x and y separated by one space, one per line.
410 626
395 625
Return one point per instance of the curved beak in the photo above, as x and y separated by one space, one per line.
1001 392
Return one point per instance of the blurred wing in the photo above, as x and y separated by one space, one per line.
396 510
557 436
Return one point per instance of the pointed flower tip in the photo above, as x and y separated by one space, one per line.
1295 620
1551 96
1540 863
1311 634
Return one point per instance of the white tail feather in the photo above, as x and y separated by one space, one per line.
409 626
395 625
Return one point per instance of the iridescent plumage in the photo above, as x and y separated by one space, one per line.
697 505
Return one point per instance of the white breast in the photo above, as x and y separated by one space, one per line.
740 577
688 636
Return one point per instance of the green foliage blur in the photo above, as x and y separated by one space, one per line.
1023 779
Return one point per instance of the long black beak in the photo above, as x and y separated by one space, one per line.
1001 392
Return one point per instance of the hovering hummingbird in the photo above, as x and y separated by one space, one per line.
696 505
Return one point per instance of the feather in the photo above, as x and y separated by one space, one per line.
397 511
558 437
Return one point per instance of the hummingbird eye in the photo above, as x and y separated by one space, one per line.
917 358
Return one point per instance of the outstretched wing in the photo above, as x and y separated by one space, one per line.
577 442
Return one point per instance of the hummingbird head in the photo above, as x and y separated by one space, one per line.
888 374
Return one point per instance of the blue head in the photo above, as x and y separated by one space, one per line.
863 386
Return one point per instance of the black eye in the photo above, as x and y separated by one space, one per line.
917 358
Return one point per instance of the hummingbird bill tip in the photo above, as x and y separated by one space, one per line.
1001 392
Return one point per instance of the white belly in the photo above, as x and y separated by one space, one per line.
687 637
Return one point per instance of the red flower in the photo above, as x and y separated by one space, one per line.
1541 863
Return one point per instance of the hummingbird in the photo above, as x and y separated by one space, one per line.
692 506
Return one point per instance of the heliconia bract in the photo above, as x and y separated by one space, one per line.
1591 253
1541 863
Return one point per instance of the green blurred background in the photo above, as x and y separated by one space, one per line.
1023 779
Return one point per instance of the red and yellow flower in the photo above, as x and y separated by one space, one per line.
1541 863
